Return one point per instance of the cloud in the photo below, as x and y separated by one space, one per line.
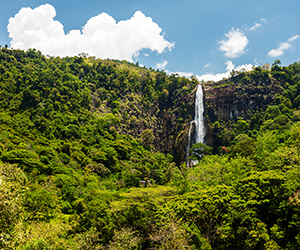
244 67
101 36
283 47
207 65
255 26
229 67
162 65
280 50
235 44
212 77
258 24
293 38
216 77
184 74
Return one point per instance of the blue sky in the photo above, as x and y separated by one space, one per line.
206 38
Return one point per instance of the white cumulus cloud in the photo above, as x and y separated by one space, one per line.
180 73
235 43
283 47
161 65
229 67
101 36
184 74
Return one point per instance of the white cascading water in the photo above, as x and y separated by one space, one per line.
199 124
199 120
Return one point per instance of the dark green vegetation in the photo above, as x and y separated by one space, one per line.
92 157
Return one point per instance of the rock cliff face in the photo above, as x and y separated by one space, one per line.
239 97
175 127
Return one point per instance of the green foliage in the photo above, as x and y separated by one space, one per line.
40 204
198 150
27 160
272 112
205 209
12 180
87 150
243 145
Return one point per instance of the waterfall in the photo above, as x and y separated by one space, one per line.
199 120
199 131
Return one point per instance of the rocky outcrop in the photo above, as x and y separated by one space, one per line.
239 97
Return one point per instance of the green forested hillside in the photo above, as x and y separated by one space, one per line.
92 157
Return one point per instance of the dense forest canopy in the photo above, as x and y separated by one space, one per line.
92 156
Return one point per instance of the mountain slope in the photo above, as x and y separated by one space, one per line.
89 148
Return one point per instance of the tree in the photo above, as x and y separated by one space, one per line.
244 145
147 138
198 150
206 210
12 180
264 191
